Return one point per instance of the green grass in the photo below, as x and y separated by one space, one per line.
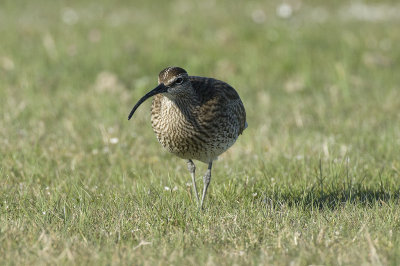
315 179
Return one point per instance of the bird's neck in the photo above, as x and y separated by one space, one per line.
183 106
184 101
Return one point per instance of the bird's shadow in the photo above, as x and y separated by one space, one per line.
335 197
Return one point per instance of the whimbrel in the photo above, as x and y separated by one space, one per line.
195 118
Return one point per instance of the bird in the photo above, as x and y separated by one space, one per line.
195 118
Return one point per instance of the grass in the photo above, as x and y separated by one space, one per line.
313 180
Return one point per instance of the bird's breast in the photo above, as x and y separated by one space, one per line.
183 132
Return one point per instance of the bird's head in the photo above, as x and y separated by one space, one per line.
172 82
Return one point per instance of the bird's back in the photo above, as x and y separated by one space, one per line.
220 97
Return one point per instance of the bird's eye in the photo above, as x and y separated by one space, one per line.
179 80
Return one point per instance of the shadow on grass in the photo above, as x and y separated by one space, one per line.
332 195
333 198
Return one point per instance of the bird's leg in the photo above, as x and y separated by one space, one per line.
192 169
206 182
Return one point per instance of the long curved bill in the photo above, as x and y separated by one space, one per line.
159 89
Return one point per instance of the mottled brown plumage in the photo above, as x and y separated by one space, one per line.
195 117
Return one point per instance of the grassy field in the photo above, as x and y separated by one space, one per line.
314 179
